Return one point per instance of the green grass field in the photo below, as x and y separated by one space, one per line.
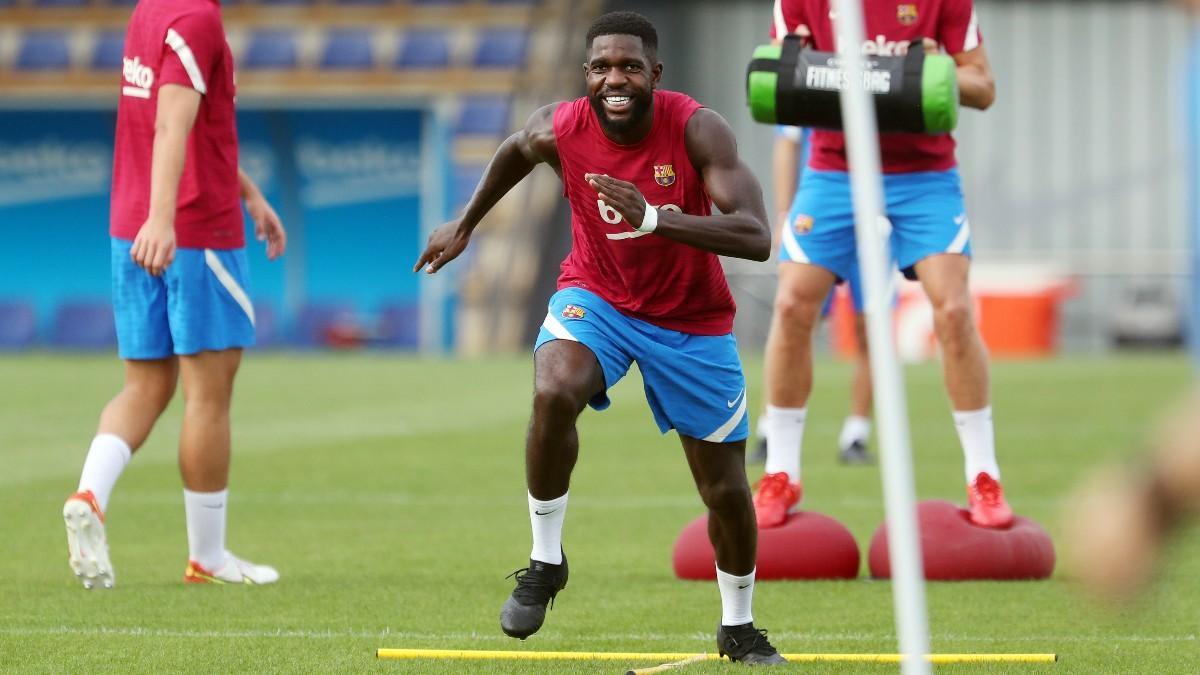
390 494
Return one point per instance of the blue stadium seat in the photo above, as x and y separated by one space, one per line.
466 178
528 3
437 2
324 324
44 50
84 325
424 48
501 48
483 116
399 325
109 50
123 3
271 49
287 2
348 49
7 3
60 3
18 325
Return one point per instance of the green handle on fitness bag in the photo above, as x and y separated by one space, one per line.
933 111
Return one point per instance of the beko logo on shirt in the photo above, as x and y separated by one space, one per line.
139 77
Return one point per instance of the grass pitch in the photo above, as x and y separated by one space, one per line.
390 494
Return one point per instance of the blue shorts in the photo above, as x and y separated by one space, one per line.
694 383
926 210
198 304
854 284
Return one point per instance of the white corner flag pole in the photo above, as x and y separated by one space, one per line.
875 267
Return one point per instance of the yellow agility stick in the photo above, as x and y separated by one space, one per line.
939 659
668 666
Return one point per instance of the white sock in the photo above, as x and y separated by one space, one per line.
976 434
206 527
546 519
855 428
737 593
785 431
761 429
106 459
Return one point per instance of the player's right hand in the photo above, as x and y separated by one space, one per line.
445 244
154 247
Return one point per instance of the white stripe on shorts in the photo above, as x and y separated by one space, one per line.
795 253
557 329
730 424
964 235
239 296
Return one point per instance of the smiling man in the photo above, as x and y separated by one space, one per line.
641 168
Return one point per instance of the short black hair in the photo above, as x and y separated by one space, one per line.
625 23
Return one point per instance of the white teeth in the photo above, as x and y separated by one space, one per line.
617 100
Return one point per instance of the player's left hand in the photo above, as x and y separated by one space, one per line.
267 226
621 195
931 46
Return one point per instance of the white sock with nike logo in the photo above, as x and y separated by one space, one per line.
205 513
546 518
736 596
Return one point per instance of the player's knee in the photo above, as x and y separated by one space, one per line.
796 311
952 316
154 392
556 400
726 495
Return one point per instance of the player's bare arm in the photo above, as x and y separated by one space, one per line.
976 85
740 231
785 170
267 225
154 246
514 159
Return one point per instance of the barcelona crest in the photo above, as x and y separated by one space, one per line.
803 224
906 14
664 174
573 312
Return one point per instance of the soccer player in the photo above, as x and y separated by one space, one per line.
179 281
930 241
643 284
790 153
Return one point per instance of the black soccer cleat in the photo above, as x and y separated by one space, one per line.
747 644
537 585
855 453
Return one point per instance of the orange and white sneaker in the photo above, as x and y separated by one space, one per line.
234 571
776 496
988 506
87 546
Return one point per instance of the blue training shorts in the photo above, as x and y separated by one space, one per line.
198 304
926 210
694 383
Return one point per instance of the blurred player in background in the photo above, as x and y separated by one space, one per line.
640 167
1119 521
179 277
931 240
789 156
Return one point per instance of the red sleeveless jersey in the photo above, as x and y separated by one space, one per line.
645 276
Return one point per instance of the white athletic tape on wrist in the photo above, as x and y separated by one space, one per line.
650 220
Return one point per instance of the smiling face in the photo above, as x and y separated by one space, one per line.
621 78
